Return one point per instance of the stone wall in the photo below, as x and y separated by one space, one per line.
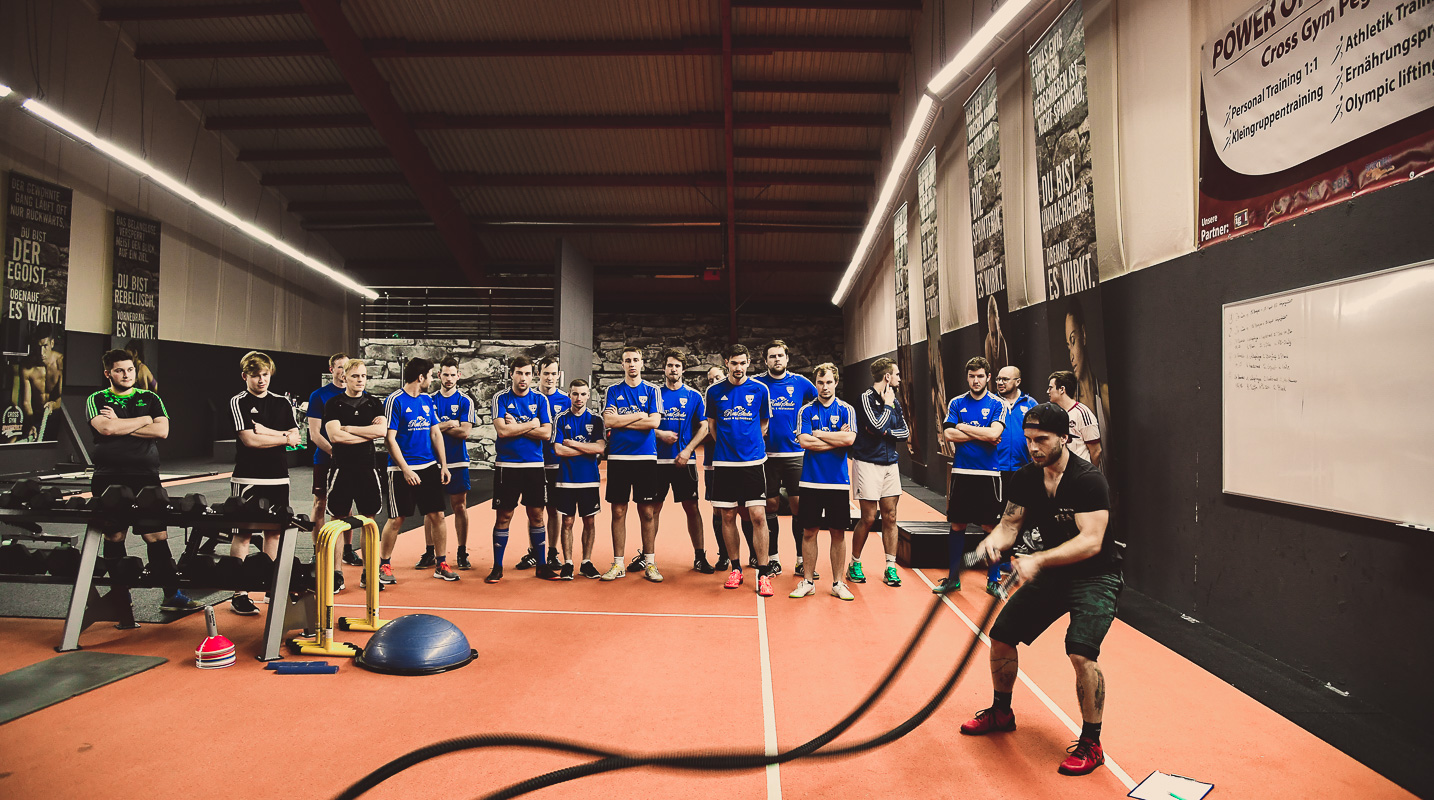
482 373
812 339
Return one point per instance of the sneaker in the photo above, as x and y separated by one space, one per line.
444 571
804 589
700 564
363 579
567 572
426 562
637 563
614 572
528 561
774 568
764 585
990 720
352 558
175 600
650 572
723 564
547 572
752 562
839 590
553 556
462 562
385 574
243 606
993 588
1085 756
494 576
589 571
801 569
734 579
947 585
338 581
890 578
854 573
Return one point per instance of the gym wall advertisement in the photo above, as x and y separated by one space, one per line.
1308 104
135 295
900 236
35 286
988 230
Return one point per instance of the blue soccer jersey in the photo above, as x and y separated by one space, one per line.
521 451
789 394
626 444
557 404
411 417
459 407
737 413
1011 453
976 458
317 401
577 472
826 469
682 411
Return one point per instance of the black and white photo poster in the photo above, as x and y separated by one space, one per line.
35 288
900 235
988 231
136 281
931 288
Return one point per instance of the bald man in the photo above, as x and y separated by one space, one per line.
1011 452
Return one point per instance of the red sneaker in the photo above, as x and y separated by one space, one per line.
764 585
734 579
1085 756
990 720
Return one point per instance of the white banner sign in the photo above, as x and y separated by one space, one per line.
1292 79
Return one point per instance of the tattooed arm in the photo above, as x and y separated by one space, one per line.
1003 537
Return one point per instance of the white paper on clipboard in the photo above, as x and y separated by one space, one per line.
1163 786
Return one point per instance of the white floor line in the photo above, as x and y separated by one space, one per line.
386 606
769 706
1115 769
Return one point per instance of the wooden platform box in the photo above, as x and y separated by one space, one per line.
922 545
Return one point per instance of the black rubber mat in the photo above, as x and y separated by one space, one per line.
57 679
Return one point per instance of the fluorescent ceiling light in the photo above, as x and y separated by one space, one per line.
920 123
4 90
144 168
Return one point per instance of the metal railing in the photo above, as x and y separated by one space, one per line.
440 312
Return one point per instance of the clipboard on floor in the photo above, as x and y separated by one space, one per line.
1165 786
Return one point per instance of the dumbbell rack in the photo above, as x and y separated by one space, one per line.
85 581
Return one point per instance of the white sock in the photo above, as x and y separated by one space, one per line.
891 561
585 561
617 561
568 561
650 558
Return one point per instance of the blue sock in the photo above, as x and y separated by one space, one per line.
500 543
536 537
383 561
955 550
993 575
442 559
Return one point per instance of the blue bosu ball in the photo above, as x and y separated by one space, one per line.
417 644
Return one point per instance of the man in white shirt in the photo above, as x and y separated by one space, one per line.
1085 432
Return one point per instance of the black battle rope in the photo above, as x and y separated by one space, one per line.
706 761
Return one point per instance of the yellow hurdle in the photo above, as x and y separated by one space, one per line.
325 558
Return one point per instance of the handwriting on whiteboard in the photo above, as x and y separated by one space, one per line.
1262 346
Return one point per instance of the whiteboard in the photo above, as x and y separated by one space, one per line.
1328 396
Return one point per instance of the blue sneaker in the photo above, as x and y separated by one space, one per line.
175 600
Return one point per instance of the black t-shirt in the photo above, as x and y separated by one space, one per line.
359 412
261 464
1050 521
126 454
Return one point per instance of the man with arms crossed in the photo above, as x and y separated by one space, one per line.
716 375
323 452
264 427
974 423
1011 452
1056 517
631 412
127 424
827 436
523 422
352 421
880 430
1085 430
739 409
417 468
684 426
783 469
558 402
455 421
578 442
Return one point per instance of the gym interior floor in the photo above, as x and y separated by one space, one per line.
632 665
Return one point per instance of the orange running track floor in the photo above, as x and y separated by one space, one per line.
639 666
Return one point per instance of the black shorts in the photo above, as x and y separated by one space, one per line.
974 498
321 480
638 480
1090 600
550 479
682 481
99 482
349 488
514 485
427 496
738 486
576 502
783 472
276 493
825 509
